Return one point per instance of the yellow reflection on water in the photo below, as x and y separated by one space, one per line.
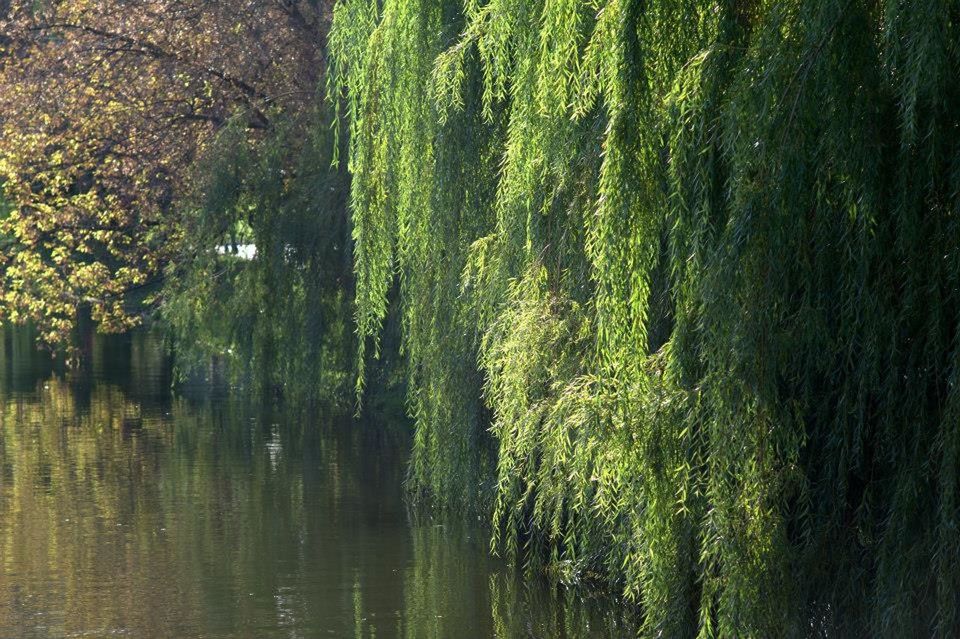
127 510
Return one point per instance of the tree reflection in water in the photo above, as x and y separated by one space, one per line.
127 509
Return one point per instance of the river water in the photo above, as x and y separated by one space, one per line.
129 510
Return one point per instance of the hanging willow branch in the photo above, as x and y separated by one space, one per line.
703 260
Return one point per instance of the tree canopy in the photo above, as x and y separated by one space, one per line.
105 106
706 257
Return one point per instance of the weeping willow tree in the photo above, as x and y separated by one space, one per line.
690 271
262 290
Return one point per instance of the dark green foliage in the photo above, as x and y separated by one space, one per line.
281 320
704 260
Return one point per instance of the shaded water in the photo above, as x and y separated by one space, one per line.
126 510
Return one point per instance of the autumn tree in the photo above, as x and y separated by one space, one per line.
104 107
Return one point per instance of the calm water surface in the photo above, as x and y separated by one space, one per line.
127 510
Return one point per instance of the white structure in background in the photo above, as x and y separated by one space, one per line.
240 251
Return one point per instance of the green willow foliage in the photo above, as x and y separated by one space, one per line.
279 321
702 258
